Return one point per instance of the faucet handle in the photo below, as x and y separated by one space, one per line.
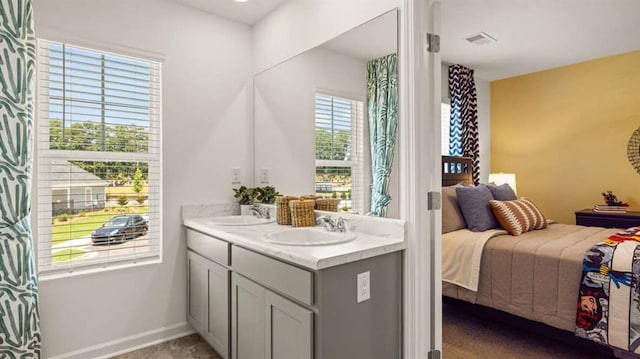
324 218
341 224
328 222
260 212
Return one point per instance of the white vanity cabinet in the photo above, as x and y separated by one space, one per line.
208 284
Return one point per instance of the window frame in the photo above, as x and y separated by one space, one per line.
44 157
357 161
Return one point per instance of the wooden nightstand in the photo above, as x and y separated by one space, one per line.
587 217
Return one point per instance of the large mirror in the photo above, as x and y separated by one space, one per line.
311 120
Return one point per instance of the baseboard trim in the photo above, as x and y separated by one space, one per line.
127 344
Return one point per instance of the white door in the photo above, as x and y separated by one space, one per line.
420 174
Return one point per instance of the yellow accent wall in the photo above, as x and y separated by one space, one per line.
564 132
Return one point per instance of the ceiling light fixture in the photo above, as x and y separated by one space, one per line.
481 38
240 0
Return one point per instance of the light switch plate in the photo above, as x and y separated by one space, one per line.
235 175
364 286
264 175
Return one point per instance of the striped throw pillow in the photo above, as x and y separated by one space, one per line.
518 216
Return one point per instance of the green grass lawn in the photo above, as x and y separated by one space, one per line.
80 226
66 254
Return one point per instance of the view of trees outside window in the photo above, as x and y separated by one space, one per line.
335 155
96 107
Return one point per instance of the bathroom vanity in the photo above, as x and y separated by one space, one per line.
250 296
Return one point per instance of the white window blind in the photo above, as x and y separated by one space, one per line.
339 150
98 174
445 113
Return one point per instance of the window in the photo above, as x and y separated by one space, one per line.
98 175
445 114
339 150
87 197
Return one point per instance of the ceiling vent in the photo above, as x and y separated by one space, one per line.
481 38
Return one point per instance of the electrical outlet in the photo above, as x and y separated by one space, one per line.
235 175
364 286
264 175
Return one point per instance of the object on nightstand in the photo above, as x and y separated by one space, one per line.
612 200
609 209
613 205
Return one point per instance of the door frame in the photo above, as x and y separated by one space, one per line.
420 173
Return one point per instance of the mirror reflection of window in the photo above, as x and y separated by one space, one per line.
339 150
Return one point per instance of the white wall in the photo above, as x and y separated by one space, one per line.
299 25
483 93
205 106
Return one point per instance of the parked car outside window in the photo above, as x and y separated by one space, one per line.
120 229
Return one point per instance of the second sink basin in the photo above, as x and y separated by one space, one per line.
239 220
310 236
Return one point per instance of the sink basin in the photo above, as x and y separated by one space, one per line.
239 220
308 237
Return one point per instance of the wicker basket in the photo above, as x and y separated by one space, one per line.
327 204
302 213
283 212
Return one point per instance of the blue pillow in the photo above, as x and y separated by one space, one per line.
474 204
502 192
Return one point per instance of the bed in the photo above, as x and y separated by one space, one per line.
535 275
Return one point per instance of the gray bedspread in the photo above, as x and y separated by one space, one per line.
535 275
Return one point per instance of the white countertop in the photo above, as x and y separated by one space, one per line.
374 236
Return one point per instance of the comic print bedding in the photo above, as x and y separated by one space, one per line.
608 308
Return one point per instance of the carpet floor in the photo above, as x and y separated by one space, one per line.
189 347
466 335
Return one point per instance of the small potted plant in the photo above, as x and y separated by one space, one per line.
267 194
247 196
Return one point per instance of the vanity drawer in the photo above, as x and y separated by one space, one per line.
289 280
209 247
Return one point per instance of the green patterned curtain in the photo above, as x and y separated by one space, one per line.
19 319
382 99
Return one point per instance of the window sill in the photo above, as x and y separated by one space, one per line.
53 274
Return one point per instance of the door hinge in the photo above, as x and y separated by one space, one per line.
433 42
434 201
434 354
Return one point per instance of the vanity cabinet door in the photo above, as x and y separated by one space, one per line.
197 288
266 325
288 329
208 301
217 330
247 318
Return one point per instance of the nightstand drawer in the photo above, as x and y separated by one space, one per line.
587 217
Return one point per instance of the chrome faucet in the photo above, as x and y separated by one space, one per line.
334 224
260 212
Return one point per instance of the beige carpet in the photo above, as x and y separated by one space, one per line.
189 347
468 336
464 336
